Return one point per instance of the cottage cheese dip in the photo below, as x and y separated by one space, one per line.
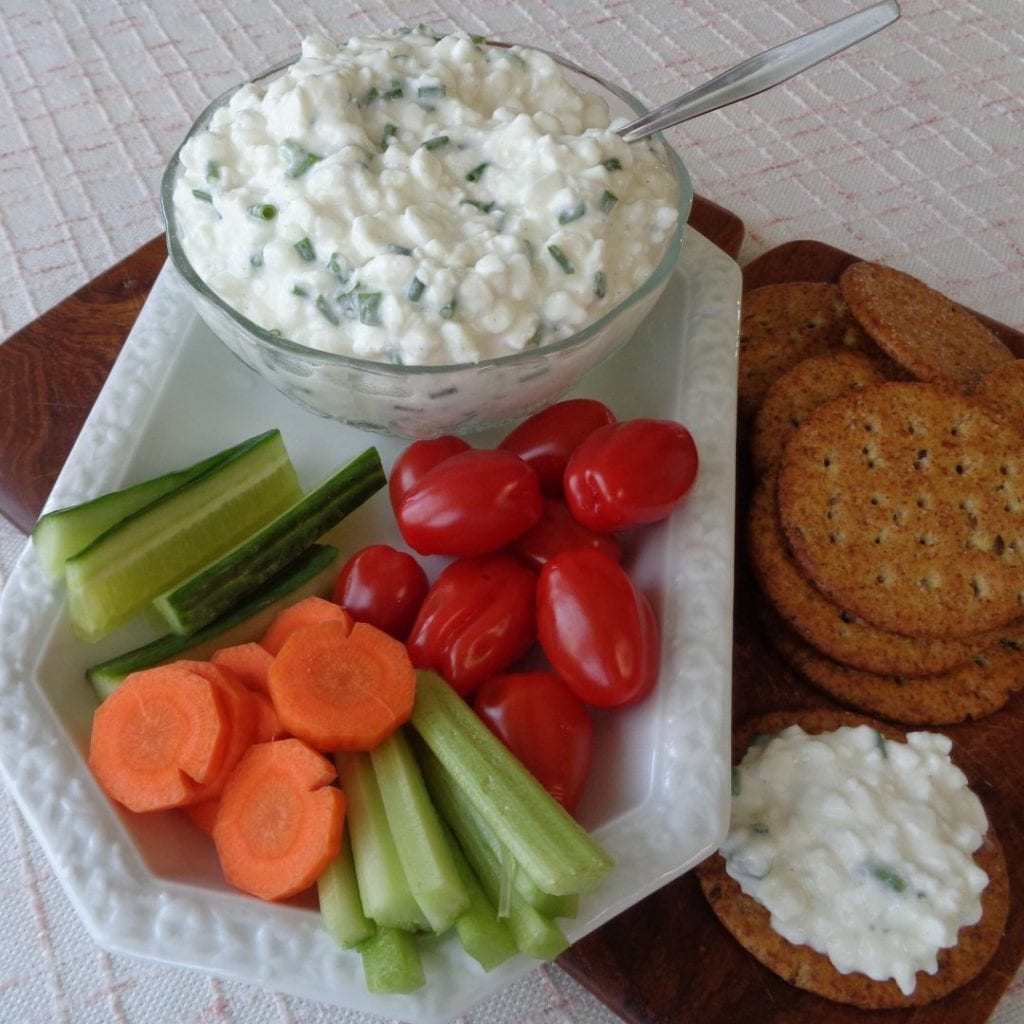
421 200
859 846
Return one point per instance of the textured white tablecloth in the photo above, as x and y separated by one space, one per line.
908 149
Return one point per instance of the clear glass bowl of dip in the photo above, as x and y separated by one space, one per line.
425 401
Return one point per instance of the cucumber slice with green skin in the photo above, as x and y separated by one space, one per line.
558 854
340 905
383 887
216 587
425 856
313 572
64 532
391 961
534 934
153 549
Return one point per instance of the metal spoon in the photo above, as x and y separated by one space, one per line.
766 69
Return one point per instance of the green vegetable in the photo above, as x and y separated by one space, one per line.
217 586
437 142
390 131
888 877
369 308
204 196
304 247
263 211
325 310
391 961
299 159
416 829
64 532
612 164
430 92
383 887
572 213
608 200
557 853
415 290
600 284
340 905
313 572
164 542
477 172
561 259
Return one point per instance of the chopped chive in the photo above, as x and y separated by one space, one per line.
204 196
369 308
600 284
333 265
300 160
372 95
608 200
482 207
567 216
395 91
390 131
436 142
395 357
300 291
304 247
398 250
561 259
328 314
430 92
889 878
534 339
479 40
263 211
448 310
612 164
759 828
212 170
415 290
477 172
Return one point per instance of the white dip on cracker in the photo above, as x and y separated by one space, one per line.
859 846
421 200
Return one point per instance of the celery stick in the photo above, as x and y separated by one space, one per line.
535 935
416 829
391 961
340 905
557 853
486 937
383 887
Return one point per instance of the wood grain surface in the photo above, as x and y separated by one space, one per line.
666 960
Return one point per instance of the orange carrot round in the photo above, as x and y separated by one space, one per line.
307 612
342 690
280 820
250 662
159 738
203 814
268 721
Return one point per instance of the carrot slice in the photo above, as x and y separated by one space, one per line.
280 820
240 705
203 814
342 690
307 612
268 721
159 738
250 662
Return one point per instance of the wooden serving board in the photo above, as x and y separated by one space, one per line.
666 960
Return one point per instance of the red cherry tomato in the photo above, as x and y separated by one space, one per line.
384 587
476 620
595 629
557 530
545 725
417 459
547 438
630 473
472 503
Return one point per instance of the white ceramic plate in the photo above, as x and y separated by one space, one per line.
658 797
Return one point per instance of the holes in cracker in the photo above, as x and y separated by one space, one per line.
925 502
921 461
968 506
979 587
915 428
879 500
930 582
928 540
881 537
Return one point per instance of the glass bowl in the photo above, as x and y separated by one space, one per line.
425 401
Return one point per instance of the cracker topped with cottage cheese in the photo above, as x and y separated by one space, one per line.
422 201
859 864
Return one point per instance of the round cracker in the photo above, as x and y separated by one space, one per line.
1002 391
798 392
925 332
780 325
825 625
904 503
966 693
750 923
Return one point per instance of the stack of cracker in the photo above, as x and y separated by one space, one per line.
886 530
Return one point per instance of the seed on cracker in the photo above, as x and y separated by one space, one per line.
968 692
832 630
784 323
798 392
904 503
933 338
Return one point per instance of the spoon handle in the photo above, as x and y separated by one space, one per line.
766 69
